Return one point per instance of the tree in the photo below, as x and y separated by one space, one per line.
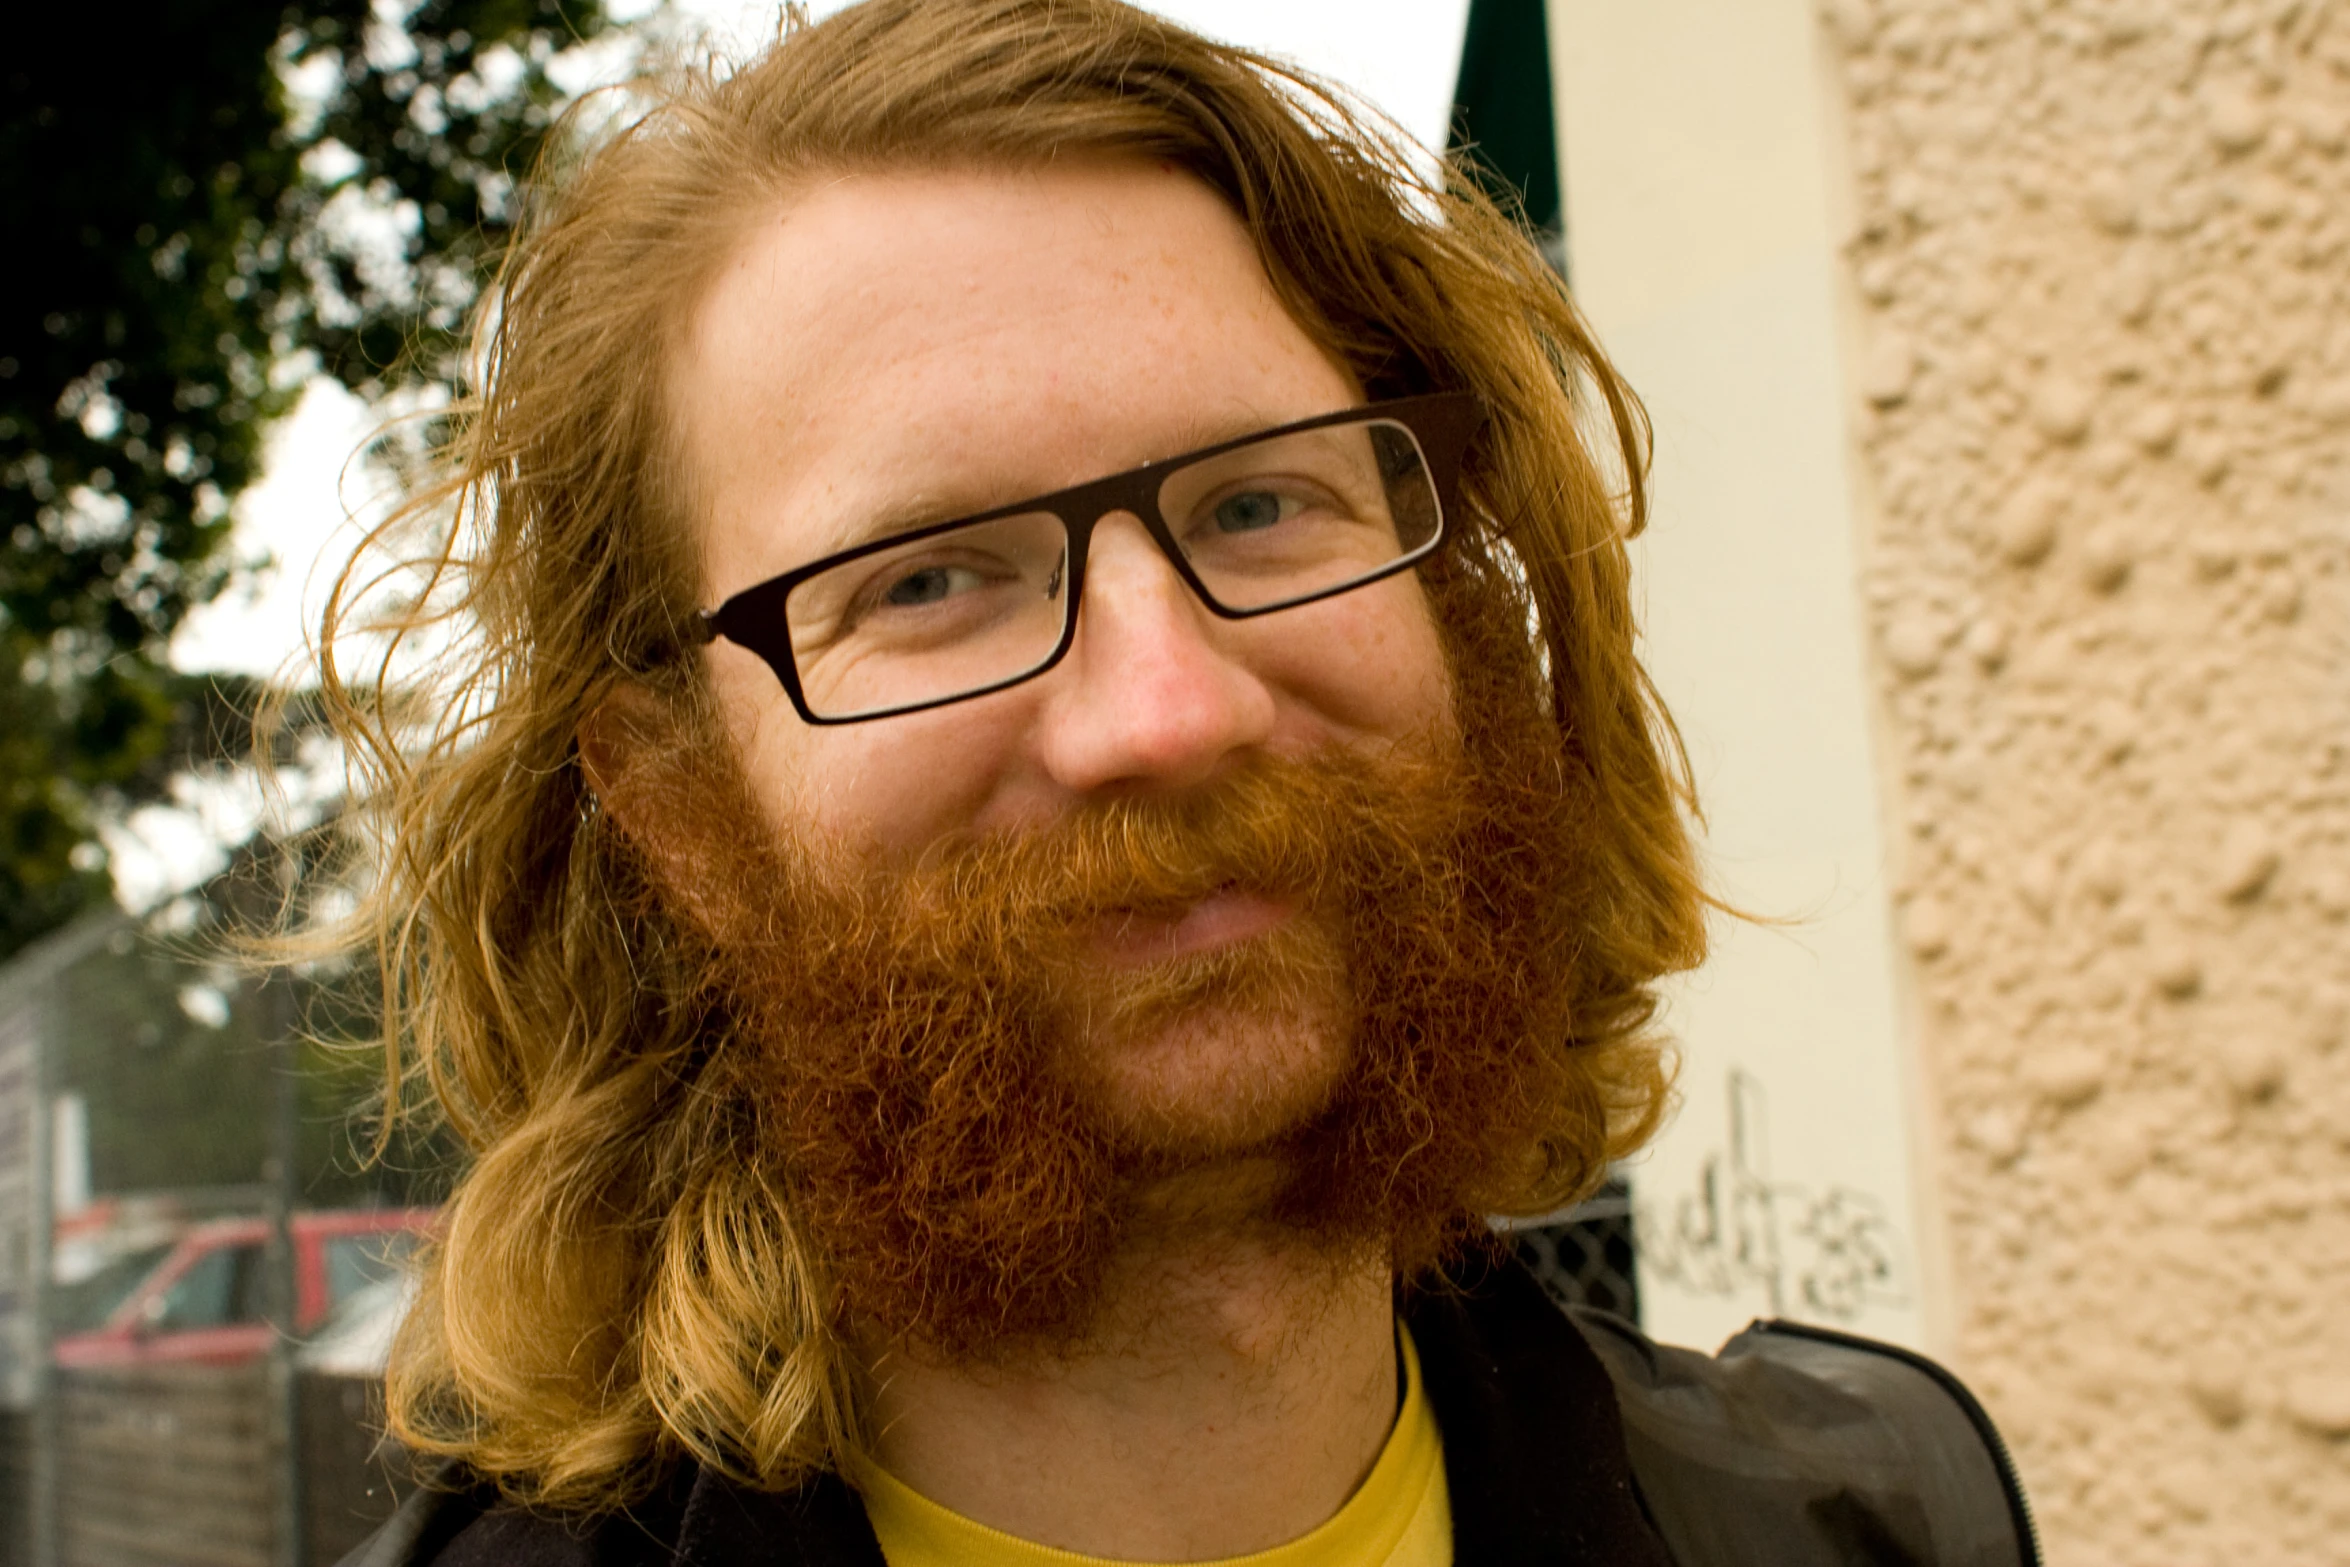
205 198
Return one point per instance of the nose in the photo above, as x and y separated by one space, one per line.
1151 695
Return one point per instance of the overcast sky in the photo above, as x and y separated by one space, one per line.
1401 54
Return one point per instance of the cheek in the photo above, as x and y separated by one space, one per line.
878 789
1371 662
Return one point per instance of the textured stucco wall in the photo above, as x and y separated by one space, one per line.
2100 284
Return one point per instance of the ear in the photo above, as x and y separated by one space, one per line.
619 731
638 758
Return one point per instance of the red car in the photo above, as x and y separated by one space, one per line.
207 1302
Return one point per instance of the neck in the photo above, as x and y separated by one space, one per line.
1234 1393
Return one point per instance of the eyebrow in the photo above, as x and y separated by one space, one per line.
927 508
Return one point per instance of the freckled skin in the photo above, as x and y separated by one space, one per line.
932 344
943 341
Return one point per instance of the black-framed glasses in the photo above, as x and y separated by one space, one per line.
954 610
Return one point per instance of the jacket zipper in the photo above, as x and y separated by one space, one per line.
2019 1506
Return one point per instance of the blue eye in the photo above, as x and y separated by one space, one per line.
928 586
1248 512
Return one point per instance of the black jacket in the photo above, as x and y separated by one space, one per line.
1569 1441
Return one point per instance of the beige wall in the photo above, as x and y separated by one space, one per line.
2095 341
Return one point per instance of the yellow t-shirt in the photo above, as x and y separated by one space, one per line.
1400 1516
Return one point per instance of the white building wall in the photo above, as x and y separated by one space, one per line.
1702 225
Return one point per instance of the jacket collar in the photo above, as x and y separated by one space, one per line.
1534 1453
822 1524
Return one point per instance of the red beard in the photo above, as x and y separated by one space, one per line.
964 1108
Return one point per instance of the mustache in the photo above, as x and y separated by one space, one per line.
1261 828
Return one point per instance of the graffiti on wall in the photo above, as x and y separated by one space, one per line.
1811 1251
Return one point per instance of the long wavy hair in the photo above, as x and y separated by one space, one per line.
613 1287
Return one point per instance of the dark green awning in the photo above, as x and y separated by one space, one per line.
1502 110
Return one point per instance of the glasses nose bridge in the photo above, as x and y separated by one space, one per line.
1134 493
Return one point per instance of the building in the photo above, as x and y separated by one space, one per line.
1999 355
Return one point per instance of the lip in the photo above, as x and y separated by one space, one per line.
1130 938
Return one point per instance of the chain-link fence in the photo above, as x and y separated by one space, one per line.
1584 1255
187 1244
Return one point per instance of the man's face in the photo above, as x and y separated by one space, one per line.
1216 928
913 346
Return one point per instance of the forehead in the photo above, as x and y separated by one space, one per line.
906 346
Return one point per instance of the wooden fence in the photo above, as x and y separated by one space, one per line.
176 1466
170 1464
16 1487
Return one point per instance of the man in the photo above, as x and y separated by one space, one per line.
1047 805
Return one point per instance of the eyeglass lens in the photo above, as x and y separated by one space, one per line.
1270 523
